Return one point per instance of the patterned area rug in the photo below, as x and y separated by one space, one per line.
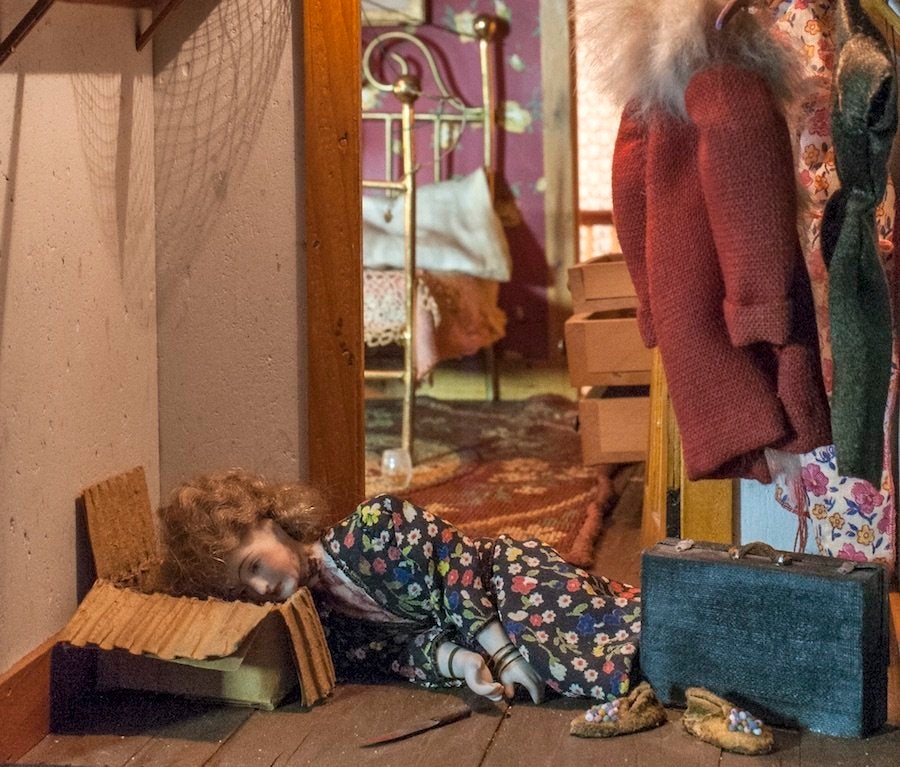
491 468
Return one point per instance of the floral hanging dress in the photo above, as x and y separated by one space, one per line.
402 581
850 517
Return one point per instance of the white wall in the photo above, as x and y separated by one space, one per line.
78 397
151 272
232 360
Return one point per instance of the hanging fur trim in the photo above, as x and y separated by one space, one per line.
647 52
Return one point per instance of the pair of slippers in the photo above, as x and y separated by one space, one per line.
708 717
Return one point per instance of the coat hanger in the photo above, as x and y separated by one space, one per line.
730 9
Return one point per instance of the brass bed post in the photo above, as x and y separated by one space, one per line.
407 89
485 28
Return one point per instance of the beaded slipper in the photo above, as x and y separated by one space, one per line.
715 720
639 710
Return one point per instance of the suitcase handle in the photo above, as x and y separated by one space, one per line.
760 549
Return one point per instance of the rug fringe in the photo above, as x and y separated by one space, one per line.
581 552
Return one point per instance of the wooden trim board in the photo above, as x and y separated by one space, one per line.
331 46
25 703
560 194
894 667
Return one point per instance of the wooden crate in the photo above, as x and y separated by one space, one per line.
614 429
600 284
605 349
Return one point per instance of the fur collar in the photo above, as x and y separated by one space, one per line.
646 51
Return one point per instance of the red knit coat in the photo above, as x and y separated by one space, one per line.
705 212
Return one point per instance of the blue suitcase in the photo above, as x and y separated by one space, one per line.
799 640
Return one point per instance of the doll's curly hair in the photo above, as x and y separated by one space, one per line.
207 517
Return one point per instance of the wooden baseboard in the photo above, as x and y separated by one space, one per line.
25 703
894 667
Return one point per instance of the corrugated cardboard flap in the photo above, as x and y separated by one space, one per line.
125 609
115 617
185 629
123 531
311 654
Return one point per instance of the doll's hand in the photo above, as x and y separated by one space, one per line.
459 663
478 675
520 671
508 663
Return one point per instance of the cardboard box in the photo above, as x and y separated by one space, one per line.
614 429
231 652
601 284
605 349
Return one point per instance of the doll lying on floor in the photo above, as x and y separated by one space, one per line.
399 589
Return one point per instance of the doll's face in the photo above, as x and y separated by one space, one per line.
269 565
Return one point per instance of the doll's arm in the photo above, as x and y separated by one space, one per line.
629 189
747 176
513 668
457 662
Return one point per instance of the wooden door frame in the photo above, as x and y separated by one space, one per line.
560 164
331 51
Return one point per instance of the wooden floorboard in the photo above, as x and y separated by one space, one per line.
539 737
330 735
138 730
168 732
617 554
881 750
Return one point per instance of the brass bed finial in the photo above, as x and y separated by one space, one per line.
407 88
485 26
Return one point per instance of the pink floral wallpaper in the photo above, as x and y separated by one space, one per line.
519 144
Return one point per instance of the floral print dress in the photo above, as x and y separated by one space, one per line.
850 518
419 582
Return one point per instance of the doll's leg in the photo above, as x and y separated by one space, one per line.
577 631
457 662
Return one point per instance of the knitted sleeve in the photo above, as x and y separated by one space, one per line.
630 212
747 178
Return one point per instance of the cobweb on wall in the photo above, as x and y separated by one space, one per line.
214 94
115 127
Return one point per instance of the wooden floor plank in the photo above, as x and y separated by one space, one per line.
881 750
157 731
617 554
138 729
85 750
193 740
331 734
539 736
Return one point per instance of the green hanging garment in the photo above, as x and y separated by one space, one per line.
864 121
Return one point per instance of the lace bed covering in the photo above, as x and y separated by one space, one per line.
384 314
456 314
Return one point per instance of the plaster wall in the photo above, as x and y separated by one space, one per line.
78 395
230 266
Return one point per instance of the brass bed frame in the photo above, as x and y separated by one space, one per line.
452 111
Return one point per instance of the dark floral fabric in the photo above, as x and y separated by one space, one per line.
577 631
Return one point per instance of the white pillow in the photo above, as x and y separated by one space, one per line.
456 226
